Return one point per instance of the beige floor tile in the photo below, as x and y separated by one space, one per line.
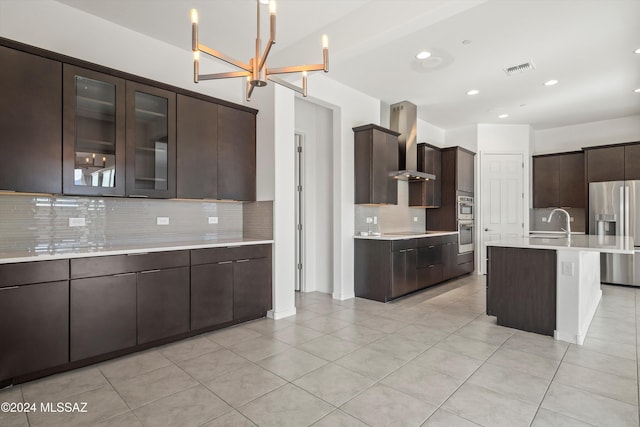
357 334
339 419
133 365
602 383
296 335
422 382
467 346
371 363
61 386
212 365
530 363
442 418
489 408
14 419
153 385
325 324
589 407
230 336
258 348
291 364
189 349
449 363
286 406
611 348
266 326
190 407
514 383
382 324
230 419
334 384
421 333
482 331
537 344
384 406
128 419
546 418
329 347
245 384
401 347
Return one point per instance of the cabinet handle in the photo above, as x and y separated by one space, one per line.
225 262
123 274
9 288
243 260
138 195
409 250
431 266
149 271
432 246
139 253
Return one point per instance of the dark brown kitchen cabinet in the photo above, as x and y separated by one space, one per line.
151 141
30 122
427 194
163 303
211 294
464 170
450 259
429 262
236 154
251 288
376 158
558 180
93 135
197 148
102 315
229 283
34 317
404 274
605 164
632 161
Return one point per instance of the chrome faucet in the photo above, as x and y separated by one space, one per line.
568 229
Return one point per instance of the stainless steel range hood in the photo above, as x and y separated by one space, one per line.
404 120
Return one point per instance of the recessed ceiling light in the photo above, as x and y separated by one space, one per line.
473 92
503 116
637 50
550 82
423 55
466 41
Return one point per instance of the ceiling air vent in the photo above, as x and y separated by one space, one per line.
517 69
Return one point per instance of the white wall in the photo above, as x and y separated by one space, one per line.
571 138
430 134
466 137
350 108
315 123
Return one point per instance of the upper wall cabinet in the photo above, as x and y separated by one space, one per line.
197 148
151 141
376 157
236 154
30 122
605 164
558 180
94 133
632 161
465 170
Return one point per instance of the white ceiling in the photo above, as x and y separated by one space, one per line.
585 44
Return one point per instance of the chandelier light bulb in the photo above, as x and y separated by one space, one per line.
196 55
194 16
325 41
272 7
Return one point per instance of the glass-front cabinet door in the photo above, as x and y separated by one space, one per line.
93 133
151 141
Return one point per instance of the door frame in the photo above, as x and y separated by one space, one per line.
526 179
300 282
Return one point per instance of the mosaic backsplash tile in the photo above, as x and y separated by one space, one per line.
392 218
41 222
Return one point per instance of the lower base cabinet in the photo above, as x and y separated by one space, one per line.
103 315
251 287
163 303
34 328
211 294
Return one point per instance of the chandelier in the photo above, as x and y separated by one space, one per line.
256 71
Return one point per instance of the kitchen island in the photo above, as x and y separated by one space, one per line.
548 285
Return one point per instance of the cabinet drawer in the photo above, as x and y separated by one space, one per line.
213 255
430 275
397 245
118 264
429 255
22 273
465 258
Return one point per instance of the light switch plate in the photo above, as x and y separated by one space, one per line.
162 220
77 222
567 268
213 220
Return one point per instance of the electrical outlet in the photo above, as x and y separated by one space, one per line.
213 220
570 219
369 220
567 268
77 222
415 219
544 219
162 220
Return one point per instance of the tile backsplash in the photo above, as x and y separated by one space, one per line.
41 222
392 218
537 223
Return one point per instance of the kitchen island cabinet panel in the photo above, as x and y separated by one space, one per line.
163 303
30 123
211 294
102 315
34 328
197 148
236 154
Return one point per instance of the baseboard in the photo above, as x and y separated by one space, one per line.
276 315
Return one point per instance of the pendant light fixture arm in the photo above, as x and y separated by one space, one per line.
221 56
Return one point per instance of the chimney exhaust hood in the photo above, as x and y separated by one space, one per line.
404 120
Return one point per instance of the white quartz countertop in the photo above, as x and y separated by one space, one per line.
404 235
577 242
105 250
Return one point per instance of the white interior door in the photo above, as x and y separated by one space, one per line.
502 199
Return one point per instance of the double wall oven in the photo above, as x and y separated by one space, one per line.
464 213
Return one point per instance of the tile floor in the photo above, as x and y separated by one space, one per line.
431 359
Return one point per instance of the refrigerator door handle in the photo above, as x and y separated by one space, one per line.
621 232
626 210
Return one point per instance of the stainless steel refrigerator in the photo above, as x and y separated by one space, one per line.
614 210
